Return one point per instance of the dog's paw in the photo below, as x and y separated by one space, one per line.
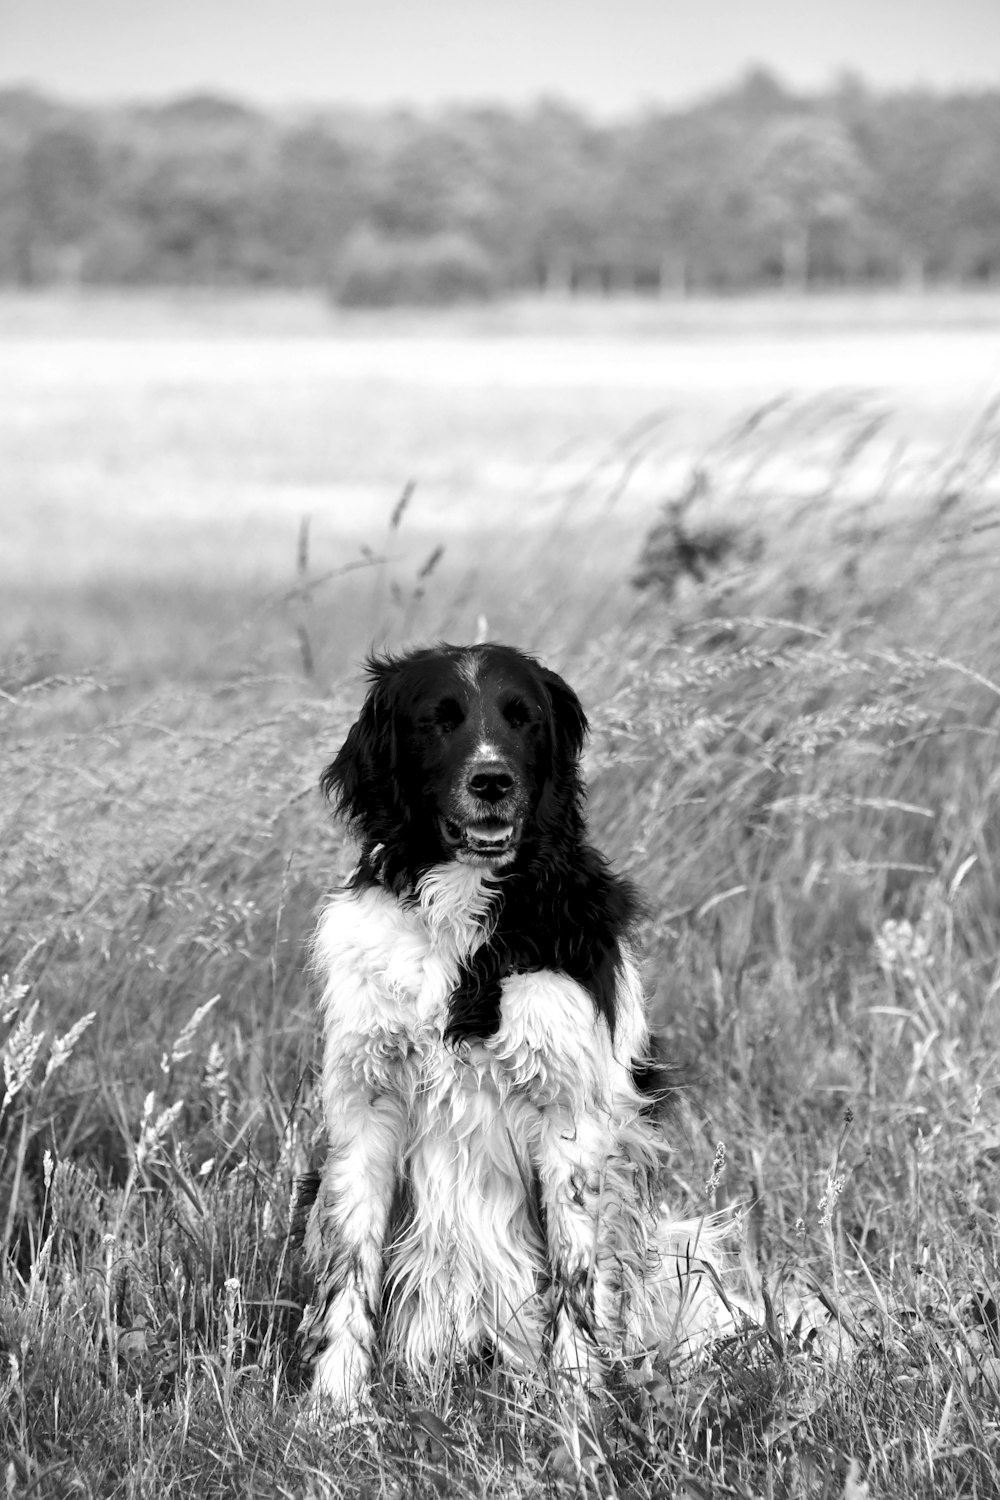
341 1380
576 1360
325 1418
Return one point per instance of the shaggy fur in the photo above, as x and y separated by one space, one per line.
490 1181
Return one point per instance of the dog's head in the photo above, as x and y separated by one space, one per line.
460 753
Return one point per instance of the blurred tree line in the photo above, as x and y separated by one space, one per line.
754 187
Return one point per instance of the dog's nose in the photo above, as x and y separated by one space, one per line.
490 781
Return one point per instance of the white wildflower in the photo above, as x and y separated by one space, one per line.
902 949
828 1203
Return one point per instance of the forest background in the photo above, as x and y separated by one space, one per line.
755 186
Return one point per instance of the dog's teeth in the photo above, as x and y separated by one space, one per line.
491 835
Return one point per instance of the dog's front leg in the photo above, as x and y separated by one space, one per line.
345 1238
573 1152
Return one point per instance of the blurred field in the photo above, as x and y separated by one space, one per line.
157 454
794 752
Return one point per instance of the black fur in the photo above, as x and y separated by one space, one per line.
405 766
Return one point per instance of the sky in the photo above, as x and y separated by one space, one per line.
610 56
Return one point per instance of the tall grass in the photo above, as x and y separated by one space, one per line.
794 752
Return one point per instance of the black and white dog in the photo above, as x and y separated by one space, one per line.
492 1163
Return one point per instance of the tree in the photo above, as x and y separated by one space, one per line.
971 189
62 181
906 141
434 179
752 182
555 196
316 190
678 209
807 174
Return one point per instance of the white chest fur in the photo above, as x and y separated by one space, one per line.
391 965
389 969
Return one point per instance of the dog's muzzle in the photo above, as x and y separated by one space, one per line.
488 841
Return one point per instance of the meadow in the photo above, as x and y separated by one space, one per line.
211 508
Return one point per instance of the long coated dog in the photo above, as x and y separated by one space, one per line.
491 1178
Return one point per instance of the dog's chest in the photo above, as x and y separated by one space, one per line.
391 969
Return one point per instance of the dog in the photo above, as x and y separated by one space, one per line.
488 1088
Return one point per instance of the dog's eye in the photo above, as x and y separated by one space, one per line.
448 714
516 712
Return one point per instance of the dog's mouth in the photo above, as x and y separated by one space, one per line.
487 842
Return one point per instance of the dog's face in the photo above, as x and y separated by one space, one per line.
455 752
475 737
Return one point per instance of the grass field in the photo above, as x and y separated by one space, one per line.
157 455
794 752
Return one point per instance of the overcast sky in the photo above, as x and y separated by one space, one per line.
609 55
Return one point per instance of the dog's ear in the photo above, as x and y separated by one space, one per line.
361 778
567 712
